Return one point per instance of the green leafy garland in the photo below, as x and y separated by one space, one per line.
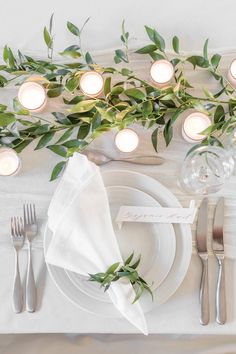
131 100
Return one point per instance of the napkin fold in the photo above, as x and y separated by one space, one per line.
83 238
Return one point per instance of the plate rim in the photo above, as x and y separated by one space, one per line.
185 229
171 230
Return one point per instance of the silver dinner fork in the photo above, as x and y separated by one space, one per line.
30 228
17 237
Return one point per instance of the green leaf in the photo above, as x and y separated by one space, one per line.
44 140
75 143
156 56
44 128
147 108
147 49
58 149
107 86
139 292
19 109
135 93
215 60
73 29
175 44
197 60
72 84
51 23
154 138
219 115
156 38
6 119
21 146
65 136
3 107
47 38
84 106
61 118
84 130
55 92
71 53
168 132
205 50
120 56
3 81
129 259
88 58
117 90
113 268
136 264
5 53
58 169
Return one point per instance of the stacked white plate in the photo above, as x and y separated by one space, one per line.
165 249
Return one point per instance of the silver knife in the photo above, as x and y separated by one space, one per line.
218 249
201 235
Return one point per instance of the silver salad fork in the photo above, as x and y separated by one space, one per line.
17 237
30 228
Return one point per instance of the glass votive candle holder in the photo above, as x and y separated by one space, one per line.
10 162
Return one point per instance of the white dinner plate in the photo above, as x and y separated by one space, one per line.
182 255
154 242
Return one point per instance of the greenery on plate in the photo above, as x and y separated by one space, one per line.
130 100
119 271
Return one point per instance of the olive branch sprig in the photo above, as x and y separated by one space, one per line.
127 271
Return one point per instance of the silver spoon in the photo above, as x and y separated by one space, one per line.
101 159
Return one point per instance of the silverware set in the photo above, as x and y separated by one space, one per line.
24 229
218 250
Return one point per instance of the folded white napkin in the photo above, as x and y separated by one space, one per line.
83 238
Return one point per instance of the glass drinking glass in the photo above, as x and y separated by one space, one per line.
231 146
206 169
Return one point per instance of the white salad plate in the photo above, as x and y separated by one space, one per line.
155 243
175 275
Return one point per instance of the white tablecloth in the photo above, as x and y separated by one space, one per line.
55 313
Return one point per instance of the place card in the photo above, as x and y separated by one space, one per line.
156 214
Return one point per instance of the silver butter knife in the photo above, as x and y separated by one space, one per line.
218 249
201 235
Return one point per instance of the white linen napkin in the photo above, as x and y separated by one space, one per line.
83 238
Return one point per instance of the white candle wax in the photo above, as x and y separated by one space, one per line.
32 95
161 71
232 72
193 125
9 162
126 140
91 83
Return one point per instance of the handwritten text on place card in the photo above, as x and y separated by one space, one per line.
156 214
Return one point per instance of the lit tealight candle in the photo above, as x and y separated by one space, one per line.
32 96
91 83
232 72
162 71
9 162
193 125
126 140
